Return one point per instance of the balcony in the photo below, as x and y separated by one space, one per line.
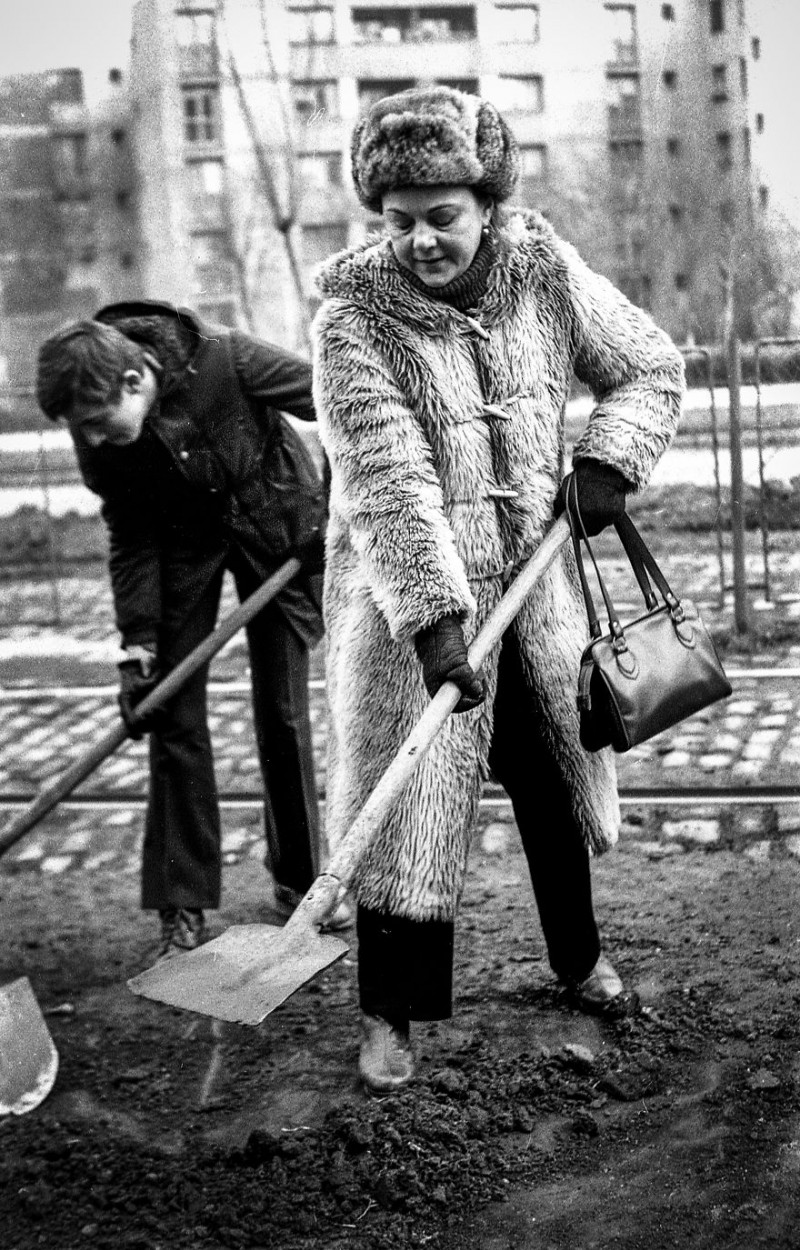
413 25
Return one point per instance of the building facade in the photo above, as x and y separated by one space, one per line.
638 125
68 221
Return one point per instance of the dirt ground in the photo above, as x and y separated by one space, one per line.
531 1125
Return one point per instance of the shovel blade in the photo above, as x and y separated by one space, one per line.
244 974
28 1057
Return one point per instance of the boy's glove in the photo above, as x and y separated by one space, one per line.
601 492
138 675
443 652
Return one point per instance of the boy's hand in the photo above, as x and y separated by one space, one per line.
138 675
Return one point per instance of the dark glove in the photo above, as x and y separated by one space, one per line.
137 677
443 652
601 492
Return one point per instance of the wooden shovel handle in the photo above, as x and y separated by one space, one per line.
411 754
52 794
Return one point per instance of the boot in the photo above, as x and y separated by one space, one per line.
182 929
601 986
385 1062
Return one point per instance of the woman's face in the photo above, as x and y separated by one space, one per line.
435 231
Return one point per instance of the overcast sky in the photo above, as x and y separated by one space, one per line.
93 35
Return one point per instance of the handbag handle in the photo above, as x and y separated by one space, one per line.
642 562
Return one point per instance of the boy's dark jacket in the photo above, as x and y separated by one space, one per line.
216 469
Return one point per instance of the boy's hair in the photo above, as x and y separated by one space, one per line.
84 364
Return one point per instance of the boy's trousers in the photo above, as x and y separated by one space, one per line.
182 863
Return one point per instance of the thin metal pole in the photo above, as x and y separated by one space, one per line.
740 603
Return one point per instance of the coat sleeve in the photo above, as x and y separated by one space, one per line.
632 368
134 552
383 482
272 374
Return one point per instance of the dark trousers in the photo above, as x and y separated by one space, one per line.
182 864
405 966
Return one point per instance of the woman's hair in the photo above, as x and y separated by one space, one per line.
84 365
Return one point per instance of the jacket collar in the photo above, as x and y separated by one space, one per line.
369 277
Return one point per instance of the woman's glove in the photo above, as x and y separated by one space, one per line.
138 675
443 652
601 492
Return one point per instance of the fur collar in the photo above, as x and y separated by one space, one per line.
527 258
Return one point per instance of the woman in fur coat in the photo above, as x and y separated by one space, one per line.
443 360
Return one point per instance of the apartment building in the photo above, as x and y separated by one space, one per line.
638 125
68 223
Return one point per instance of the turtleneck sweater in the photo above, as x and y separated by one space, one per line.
465 290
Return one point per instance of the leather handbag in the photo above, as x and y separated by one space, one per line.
641 678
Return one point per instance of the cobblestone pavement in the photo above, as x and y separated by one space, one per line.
57 698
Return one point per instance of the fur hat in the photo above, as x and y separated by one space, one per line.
432 136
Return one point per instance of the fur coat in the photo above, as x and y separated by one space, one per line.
445 435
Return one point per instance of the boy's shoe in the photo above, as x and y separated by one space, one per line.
601 987
182 929
287 901
385 1062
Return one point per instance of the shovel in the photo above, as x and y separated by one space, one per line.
52 794
250 970
28 1058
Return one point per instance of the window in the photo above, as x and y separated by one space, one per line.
755 47
314 100
222 312
123 199
670 79
743 75
673 147
681 282
763 196
126 260
115 76
746 146
118 138
623 33
213 263
71 167
675 214
532 161
716 16
194 28
724 151
625 157
519 93
320 242
417 24
668 12
719 83
727 213
469 85
516 23
373 89
320 170
759 123
206 179
624 111
201 114
310 25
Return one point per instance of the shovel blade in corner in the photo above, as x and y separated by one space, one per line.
28 1057
245 973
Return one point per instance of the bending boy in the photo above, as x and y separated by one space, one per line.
177 428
